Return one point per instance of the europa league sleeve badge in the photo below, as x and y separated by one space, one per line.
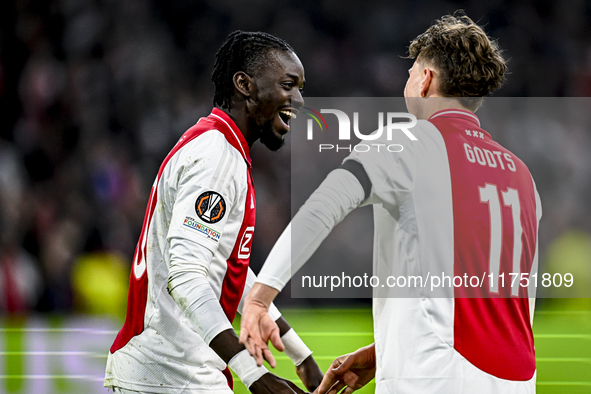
210 207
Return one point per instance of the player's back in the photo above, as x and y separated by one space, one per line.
455 205
495 236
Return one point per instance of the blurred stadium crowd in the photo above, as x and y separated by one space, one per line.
94 93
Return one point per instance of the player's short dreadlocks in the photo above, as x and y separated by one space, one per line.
242 51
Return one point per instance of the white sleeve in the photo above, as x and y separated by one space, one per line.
392 174
204 193
205 185
189 287
338 195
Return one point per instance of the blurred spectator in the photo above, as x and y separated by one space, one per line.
94 93
20 276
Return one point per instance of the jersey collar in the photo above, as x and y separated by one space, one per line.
457 113
233 133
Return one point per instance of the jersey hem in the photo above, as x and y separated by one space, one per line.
114 382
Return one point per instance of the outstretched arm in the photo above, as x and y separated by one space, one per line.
339 194
189 287
226 345
285 339
191 254
306 367
256 323
270 327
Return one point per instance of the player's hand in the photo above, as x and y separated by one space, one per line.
256 329
351 371
273 384
310 373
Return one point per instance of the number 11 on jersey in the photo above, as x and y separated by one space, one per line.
489 195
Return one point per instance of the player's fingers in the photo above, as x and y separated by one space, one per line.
258 355
269 357
243 338
250 346
336 388
254 344
269 330
348 390
344 363
330 377
276 340
248 326
350 378
327 381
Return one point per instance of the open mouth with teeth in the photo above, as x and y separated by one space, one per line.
286 115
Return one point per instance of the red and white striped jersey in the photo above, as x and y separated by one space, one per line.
203 197
453 202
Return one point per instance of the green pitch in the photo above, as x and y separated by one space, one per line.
38 354
562 337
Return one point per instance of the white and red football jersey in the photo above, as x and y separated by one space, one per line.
203 197
453 202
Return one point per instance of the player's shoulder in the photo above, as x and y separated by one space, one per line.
399 133
436 125
415 137
425 128
390 146
202 154
211 143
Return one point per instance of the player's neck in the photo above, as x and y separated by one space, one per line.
241 120
436 104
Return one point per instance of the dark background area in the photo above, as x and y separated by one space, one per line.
94 93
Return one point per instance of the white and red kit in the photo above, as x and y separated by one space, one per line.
190 267
453 202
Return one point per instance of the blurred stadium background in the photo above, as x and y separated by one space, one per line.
94 93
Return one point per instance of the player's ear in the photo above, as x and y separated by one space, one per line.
427 77
243 83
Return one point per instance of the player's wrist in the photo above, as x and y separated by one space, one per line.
371 351
261 295
310 374
245 366
295 348
226 345
366 355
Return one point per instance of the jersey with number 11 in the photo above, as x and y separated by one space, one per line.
495 231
